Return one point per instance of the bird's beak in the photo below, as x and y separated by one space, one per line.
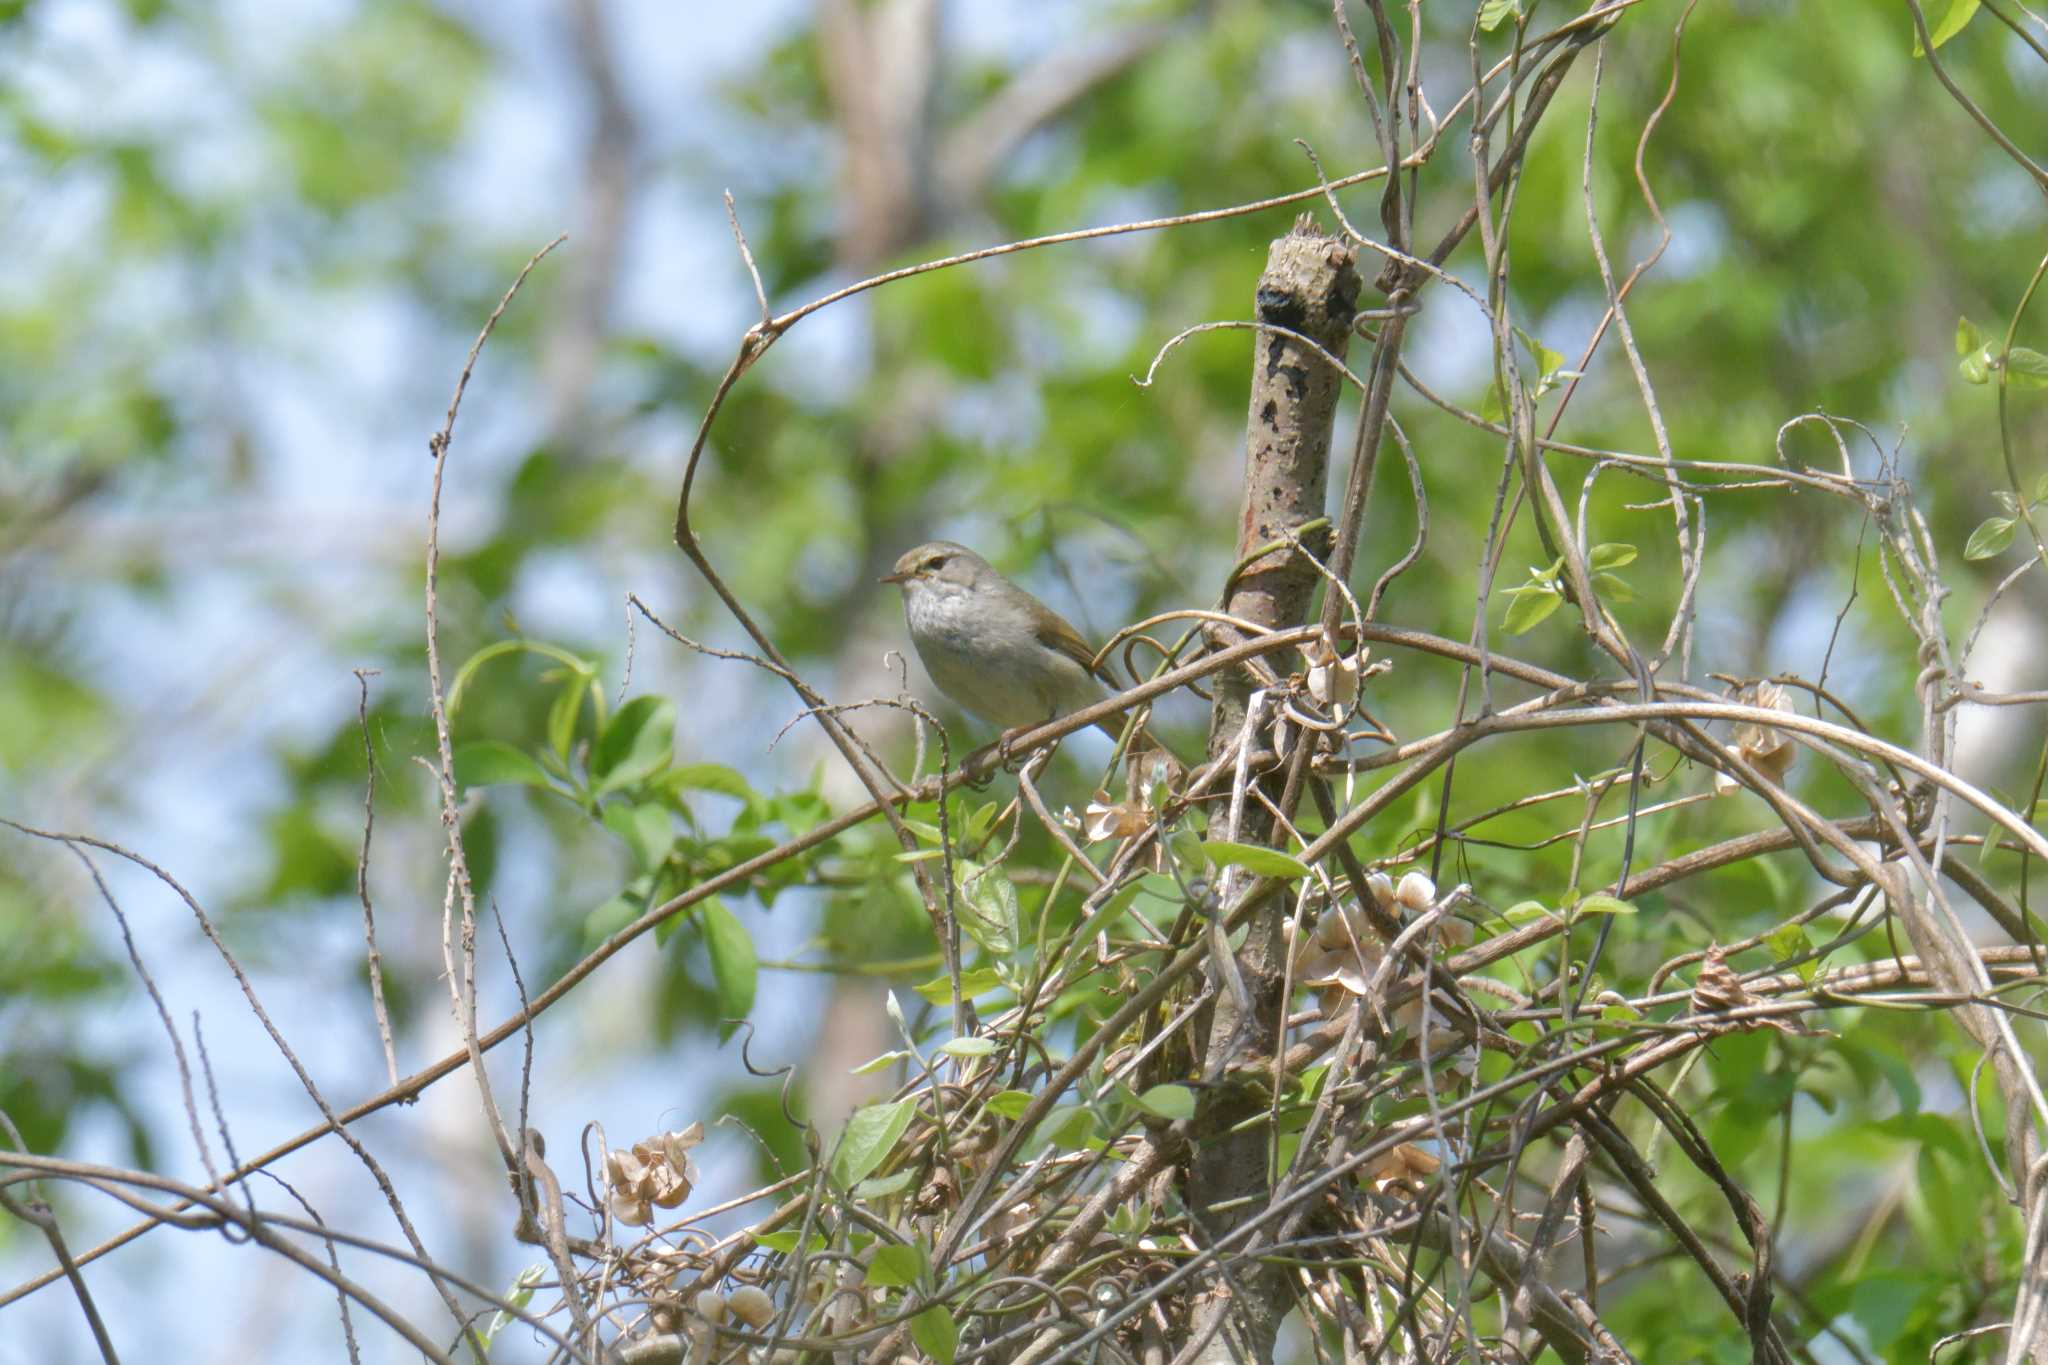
894 578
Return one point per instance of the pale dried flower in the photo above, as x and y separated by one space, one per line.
1405 1170
1332 677
1115 820
1764 747
634 1213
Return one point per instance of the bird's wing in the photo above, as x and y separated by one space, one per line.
1054 633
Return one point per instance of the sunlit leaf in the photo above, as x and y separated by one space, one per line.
1991 537
1952 22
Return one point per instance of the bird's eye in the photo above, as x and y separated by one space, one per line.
936 562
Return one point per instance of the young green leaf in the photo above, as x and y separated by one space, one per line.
1611 555
2026 368
733 965
975 981
1263 862
871 1134
1493 12
1603 905
492 762
882 1186
1168 1102
988 907
895 1267
969 1047
1991 537
1954 21
1009 1104
638 743
1615 587
709 777
1786 941
648 829
1530 607
936 1334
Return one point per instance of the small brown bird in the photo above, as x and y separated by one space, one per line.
998 652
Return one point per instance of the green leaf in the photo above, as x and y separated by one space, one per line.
881 1063
563 711
881 1187
1522 912
1168 1102
1529 608
1264 862
648 829
970 1047
733 965
492 762
1615 586
518 1296
1159 886
1976 366
708 777
621 910
1069 1127
988 907
1493 407
1959 14
1991 537
1611 555
785 1241
1603 905
2041 489
1493 12
936 1334
1009 1104
2026 368
1968 338
1787 941
895 1266
975 981
638 743
870 1135
1548 362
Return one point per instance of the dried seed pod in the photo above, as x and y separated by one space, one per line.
1416 892
634 1212
751 1305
